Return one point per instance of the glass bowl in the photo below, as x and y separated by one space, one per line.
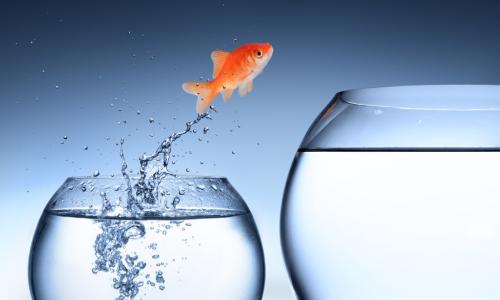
394 194
198 241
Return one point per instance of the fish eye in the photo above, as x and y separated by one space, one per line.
259 53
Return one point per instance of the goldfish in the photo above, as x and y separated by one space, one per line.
232 70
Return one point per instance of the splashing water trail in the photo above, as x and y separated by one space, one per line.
116 234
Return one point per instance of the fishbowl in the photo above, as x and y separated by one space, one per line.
394 194
198 240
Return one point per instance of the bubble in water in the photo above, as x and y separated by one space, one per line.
138 112
151 120
65 137
159 277
96 173
57 86
86 148
176 201
187 170
130 259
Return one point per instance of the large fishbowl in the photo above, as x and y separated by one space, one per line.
394 194
197 240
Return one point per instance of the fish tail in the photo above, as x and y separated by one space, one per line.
206 92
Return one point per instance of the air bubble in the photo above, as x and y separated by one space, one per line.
176 201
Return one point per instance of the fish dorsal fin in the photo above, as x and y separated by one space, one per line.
218 58
245 87
226 94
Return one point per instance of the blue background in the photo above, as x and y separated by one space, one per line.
80 70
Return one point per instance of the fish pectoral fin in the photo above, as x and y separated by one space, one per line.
245 87
226 94
218 58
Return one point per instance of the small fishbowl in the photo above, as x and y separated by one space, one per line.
198 240
394 194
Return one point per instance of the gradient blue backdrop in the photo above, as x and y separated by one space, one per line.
81 69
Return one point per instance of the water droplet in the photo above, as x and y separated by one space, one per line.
57 86
200 187
202 162
86 148
187 170
205 129
182 191
151 120
214 187
138 112
235 40
65 137
232 152
96 173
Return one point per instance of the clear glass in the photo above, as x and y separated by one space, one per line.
394 194
199 241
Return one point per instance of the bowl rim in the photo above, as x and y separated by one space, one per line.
135 178
403 93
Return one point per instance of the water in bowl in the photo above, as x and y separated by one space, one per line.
198 254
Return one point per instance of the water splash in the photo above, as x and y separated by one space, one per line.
115 234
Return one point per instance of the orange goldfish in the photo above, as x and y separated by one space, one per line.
232 70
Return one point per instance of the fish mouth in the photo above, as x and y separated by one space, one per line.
270 52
